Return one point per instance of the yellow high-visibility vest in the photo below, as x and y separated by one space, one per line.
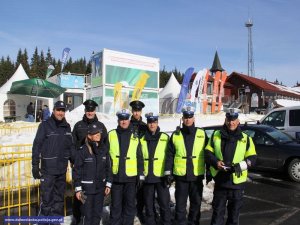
241 152
159 155
130 159
197 154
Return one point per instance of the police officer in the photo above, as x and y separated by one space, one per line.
185 160
230 152
52 147
127 169
136 119
92 175
139 129
79 134
154 147
80 129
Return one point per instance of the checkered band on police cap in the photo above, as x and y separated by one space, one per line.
188 111
232 113
123 114
151 117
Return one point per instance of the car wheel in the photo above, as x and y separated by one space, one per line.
294 170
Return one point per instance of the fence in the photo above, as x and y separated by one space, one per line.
17 128
19 192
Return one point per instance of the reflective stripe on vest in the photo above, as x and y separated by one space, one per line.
180 158
159 155
130 159
239 155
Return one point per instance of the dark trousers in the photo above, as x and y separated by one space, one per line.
139 201
52 195
76 210
183 190
92 209
123 208
163 198
233 199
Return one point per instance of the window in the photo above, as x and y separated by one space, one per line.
294 117
9 108
275 119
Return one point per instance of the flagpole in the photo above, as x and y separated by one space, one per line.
35 104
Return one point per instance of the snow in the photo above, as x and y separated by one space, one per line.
287 103
167 124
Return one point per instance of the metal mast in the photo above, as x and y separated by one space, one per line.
251 72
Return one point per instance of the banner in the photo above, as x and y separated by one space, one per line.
184 88
200 89
64 57
215 91
139 87
205 92
117 92
49 70
221 93
195 85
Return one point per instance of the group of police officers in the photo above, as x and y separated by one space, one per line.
137 163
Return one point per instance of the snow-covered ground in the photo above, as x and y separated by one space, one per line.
167 124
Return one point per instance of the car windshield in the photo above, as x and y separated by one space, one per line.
278 135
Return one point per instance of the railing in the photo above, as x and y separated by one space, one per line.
19 192
17 128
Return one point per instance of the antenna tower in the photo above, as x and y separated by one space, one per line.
251 72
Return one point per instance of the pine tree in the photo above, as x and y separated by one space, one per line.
68 66
57 67
22 59
25 62
42 66
49 59
19 58
7 69
34 71
88 68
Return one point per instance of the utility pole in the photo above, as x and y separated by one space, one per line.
251 72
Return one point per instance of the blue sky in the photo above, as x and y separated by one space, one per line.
182 33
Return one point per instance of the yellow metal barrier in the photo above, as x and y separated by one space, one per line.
18 190
18 127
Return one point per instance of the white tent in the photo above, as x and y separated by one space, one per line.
20 74
168 96
171 90
19 102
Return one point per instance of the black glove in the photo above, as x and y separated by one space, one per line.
83 197
36 172
208 177
236 168
168 180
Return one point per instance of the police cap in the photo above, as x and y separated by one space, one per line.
123 114
232 114
90 105
137 105
151 117
188 111
94 129
59 105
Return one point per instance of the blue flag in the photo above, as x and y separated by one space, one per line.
64 57
184 88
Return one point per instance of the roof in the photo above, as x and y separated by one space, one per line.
20 74
266 86
216 64
172 88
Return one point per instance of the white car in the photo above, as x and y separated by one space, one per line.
286 119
